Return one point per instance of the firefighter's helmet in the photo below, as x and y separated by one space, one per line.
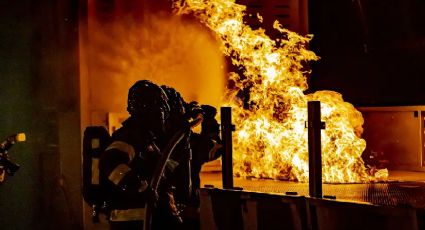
175 100
147 99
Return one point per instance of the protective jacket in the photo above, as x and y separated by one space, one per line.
202 147
126 167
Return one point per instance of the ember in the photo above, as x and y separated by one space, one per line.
271 138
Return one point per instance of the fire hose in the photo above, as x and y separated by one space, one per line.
159 170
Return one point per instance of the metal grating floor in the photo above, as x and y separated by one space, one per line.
393 193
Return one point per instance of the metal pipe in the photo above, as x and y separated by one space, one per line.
226 136
314 149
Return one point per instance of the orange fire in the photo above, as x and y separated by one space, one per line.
271 139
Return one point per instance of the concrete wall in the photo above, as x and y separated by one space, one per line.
40 96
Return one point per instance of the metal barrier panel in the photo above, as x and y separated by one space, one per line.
324 214
276 211
233 209
241 210
227 209
206 211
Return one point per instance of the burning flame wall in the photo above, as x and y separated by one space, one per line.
271 138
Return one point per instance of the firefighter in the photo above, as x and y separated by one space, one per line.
206 146
181 179
191 154
127 164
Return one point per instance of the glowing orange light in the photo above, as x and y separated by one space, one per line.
271 138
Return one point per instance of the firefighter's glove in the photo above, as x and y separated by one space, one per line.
210 127
209 111
193 109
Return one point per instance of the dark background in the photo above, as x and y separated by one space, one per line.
39 95
372 51
374 55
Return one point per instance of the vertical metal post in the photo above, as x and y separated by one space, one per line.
422 117
226 136
314 149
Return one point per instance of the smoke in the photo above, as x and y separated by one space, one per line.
166 49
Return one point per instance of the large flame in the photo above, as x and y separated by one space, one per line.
271 138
